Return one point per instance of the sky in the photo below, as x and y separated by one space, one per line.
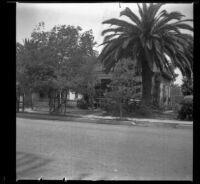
86 15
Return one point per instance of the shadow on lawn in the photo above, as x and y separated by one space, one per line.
29 165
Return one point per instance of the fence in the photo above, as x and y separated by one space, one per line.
43 104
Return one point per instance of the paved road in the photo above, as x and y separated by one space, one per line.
57 149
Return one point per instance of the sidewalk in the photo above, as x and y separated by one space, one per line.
146 121
96 117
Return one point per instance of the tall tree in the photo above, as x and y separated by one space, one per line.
50 60
86 79
123 84
147 39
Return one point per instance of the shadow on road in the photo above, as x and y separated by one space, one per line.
30 165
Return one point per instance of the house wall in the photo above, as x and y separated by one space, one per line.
176 95
72 96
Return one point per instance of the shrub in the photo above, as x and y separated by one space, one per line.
110 106
130 109
187 86
82 104
142 110
186 110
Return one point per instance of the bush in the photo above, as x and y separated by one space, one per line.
128 109
186 110
110 106
82 104
141 110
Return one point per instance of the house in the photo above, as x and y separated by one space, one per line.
42 100
161 86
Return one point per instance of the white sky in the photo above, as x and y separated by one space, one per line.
86 15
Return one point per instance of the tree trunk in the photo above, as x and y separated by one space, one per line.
156 90
147 75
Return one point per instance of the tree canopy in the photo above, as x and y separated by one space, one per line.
51 59
147 39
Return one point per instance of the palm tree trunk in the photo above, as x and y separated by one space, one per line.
147 75
156 94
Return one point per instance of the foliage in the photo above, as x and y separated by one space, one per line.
86 79
82 104
134 109
187 87
122 87
186 110
141 110
148 39
51 60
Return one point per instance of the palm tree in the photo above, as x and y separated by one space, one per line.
148 39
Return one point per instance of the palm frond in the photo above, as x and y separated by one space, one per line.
153 34
108 37
155 8
184 26
145 8
110 47
168 17
140 11
127 12
120 23
127 41
115 30
184 59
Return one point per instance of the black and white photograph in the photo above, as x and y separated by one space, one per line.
104 91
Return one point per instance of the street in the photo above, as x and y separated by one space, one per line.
76 150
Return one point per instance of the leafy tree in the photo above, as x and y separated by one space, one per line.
123 84
87 44
86 79
147 39
50 60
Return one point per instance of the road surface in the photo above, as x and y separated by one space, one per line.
86 151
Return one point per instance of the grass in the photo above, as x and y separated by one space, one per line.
163 115
141 113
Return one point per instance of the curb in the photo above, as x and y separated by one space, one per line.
116 121
161 124
147 123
